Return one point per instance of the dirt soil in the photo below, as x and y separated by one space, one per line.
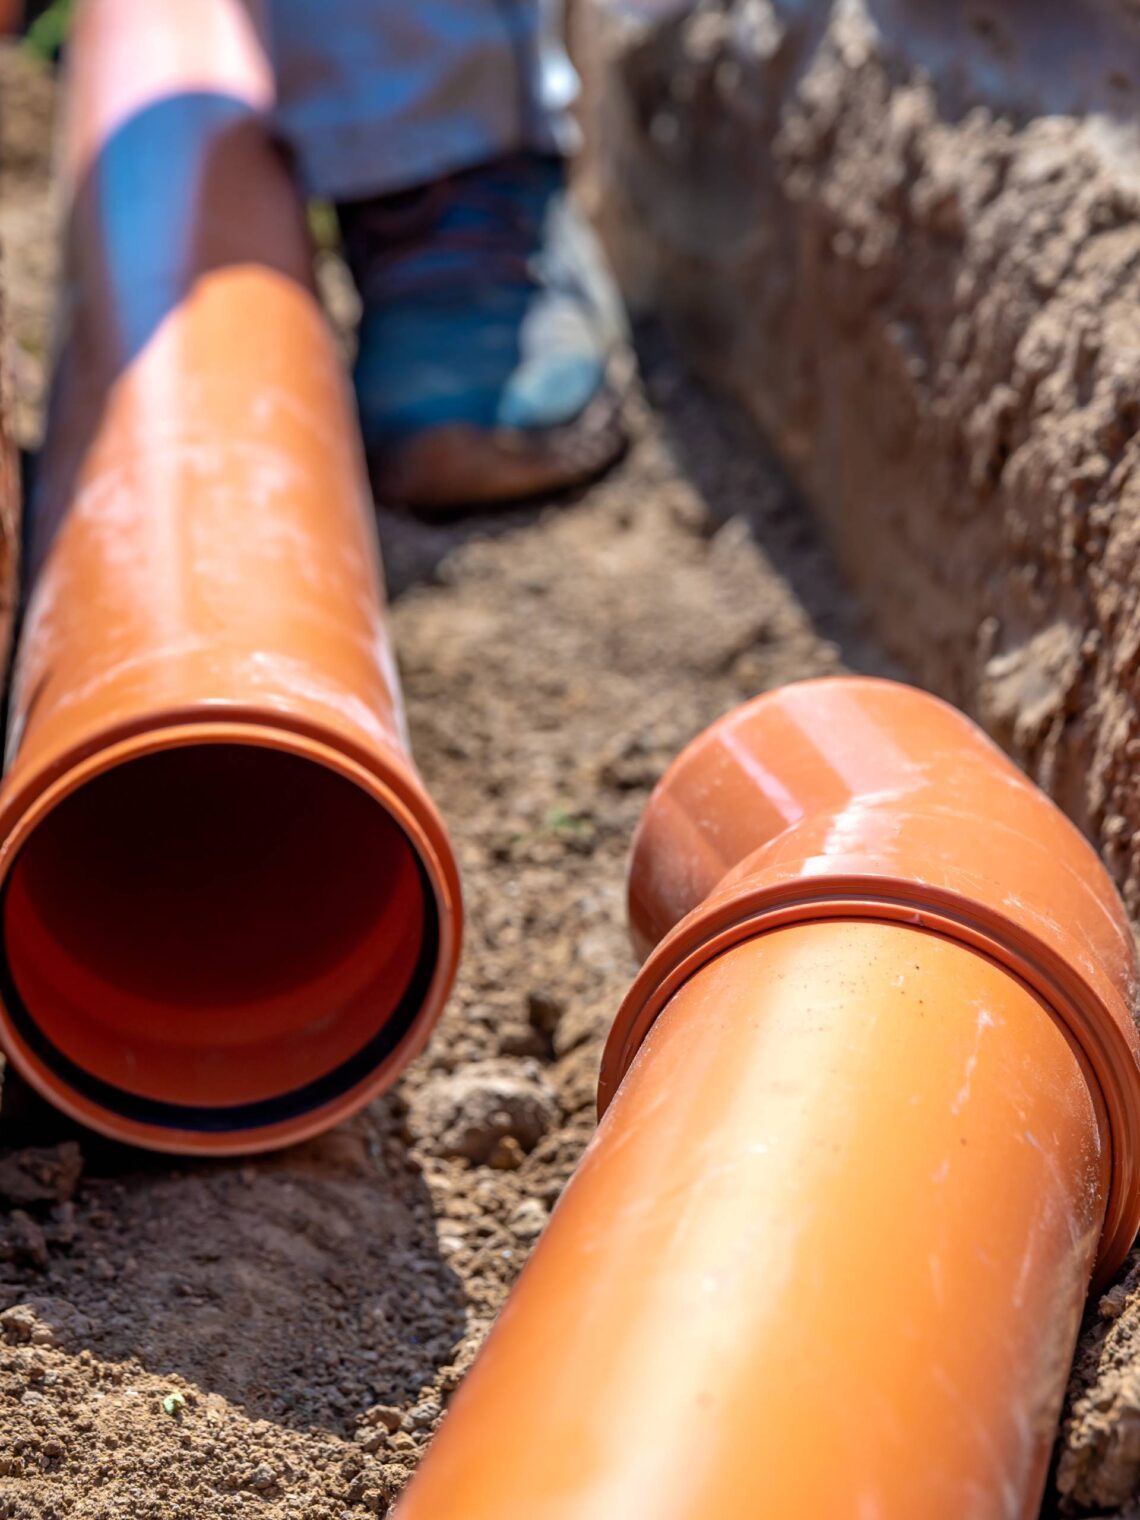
278 1338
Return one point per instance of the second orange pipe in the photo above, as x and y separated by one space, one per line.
869 1119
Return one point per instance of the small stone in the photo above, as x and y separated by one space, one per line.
423 1416
468 1113
1111 1304
261 1478
57 1321
543 1010
523 1040
384 1414
393 1478
529 1220
507 1155
41 1174
19 1324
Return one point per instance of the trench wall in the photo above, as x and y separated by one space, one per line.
906 236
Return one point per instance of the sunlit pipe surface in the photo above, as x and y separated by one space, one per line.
229 911
870 1111
9 509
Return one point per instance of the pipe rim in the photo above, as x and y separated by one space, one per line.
385 777
1090 1026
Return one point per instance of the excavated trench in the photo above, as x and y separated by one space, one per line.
929 304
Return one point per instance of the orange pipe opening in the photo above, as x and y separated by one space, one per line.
869 1116
229 913
118 979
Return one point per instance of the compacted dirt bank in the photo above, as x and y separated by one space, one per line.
907 236
278 1338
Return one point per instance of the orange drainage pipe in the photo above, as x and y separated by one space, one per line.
10 505
229 911
869 1108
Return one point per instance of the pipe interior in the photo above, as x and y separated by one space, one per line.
217 935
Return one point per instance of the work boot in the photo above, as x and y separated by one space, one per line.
493 349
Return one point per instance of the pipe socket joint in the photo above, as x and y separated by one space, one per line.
860 799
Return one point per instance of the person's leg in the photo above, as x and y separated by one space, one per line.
379 95
492 351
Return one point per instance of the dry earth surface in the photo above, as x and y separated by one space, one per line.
278 1338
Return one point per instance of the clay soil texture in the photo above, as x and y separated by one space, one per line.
279 1338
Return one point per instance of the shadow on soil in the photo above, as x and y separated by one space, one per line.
303 1286
736 475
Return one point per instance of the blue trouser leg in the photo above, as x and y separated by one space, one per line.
380 95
